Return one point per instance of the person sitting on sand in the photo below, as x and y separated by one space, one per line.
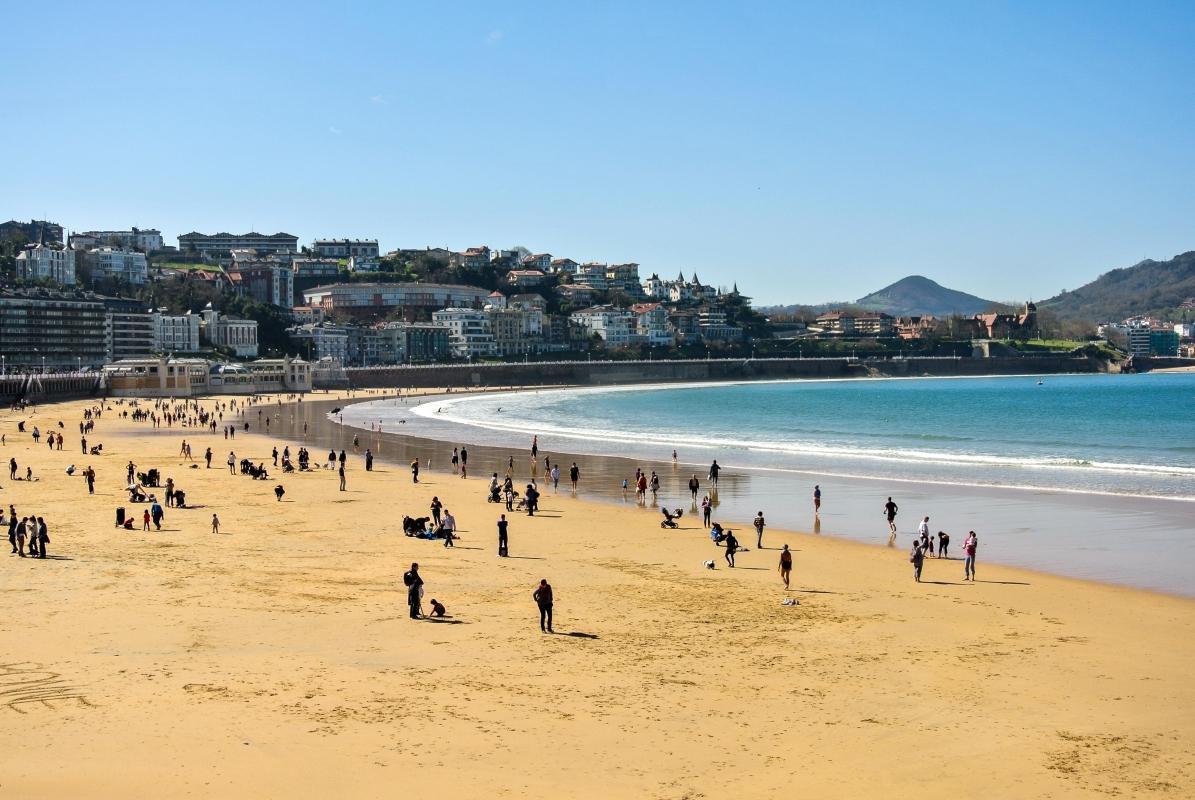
437 608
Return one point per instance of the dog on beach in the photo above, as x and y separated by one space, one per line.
710 564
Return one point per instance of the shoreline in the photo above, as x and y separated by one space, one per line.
276 659
1006 507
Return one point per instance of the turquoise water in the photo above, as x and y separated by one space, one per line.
1108 434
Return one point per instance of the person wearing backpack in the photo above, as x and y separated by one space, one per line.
414 584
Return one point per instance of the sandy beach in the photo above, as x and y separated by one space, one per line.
276 658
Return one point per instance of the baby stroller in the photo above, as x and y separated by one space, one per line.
495 495
670 518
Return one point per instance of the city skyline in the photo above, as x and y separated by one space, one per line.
809 155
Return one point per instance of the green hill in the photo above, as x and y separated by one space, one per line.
1151 287
917 295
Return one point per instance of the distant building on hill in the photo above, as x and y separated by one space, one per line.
47 262
345 248
238 335
146 240
113 263
474 258
372 299
223 243
1009 326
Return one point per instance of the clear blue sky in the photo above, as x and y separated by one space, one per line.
811 152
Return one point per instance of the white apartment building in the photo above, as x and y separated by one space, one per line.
593 276
147 240
125 265
515 331
615 325
364 264
346 248
651 324
227 242
239 335
40 262
469 331
176 333
322 341
375 297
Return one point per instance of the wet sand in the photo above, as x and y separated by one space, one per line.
275 659
1132 541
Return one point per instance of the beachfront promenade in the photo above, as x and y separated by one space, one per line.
276 658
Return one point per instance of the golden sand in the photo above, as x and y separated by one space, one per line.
276 659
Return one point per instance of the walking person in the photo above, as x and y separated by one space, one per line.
155 511
715 470
145 520
786 565
574 475
732 547
554 474
215 524
89 475
543 598
232 463
759 525
415 471
694 487
817 499
970 548
503 543
207 458
340 471
368 460
706 511
436 506
414 583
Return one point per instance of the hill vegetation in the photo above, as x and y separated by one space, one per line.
916 295
1151 287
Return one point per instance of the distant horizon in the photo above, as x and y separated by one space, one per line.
806 152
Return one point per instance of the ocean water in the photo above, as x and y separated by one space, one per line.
1107 434
1089 476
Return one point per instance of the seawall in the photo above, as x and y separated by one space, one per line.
597 373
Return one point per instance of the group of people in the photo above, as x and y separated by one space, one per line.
27 535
